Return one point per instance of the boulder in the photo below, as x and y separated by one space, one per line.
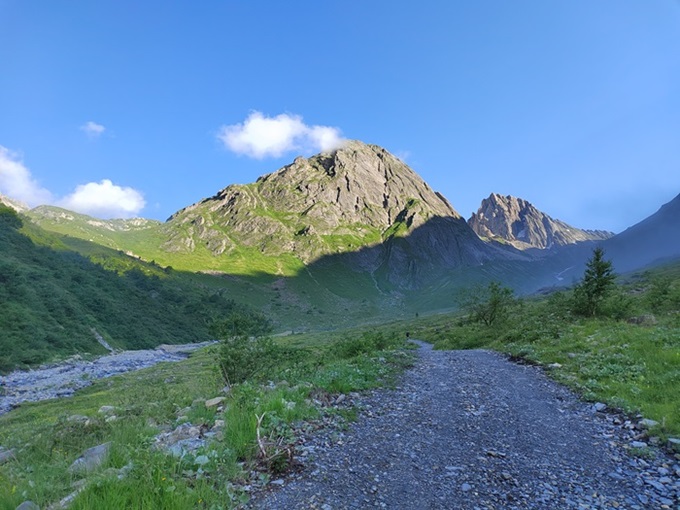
214 402
91 459
78 418
643 320
28 505
647 423
185 438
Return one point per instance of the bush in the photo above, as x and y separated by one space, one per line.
242 358
246 351
491 306
618 305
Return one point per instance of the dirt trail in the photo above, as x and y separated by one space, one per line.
471 430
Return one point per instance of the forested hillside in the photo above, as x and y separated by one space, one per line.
52 300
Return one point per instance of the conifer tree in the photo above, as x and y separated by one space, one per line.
597 284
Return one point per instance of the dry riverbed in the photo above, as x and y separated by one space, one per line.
65 378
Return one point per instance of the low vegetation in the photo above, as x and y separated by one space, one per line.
613 340
624 351
54 301
261 410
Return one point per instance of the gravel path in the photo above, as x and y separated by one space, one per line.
471 430
65 378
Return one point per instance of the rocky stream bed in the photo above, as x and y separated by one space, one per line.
65 378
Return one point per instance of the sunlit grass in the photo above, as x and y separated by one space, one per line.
632 367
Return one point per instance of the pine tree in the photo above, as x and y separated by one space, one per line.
597 284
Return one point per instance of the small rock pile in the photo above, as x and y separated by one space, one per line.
187 438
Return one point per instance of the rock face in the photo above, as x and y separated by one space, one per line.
331 202
518 222
358 200
14 204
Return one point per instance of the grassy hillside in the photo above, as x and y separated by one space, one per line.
628 358
58 288
630 365
54 299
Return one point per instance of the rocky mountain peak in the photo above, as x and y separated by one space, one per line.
358 183
518 222
358 190
342 201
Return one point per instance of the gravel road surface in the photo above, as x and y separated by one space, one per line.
471 430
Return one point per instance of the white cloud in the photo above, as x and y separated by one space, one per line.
104 199
260 136
16 181
92 129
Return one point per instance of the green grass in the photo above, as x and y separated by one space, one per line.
159 398
633 367
53 298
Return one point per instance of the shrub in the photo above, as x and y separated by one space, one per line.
491 306
367 343
242 358
245 351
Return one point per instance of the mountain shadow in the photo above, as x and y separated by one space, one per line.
651 241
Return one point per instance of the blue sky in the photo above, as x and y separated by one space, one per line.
122 108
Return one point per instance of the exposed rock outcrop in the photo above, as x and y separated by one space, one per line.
57 215
358 200
14 204
518 222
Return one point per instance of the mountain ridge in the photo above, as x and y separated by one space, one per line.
358 211
337 202
17 205
651 240
520 223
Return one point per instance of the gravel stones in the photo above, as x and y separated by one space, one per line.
65 378
468 430
599 407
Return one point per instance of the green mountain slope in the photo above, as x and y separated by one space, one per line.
326 241
53 300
